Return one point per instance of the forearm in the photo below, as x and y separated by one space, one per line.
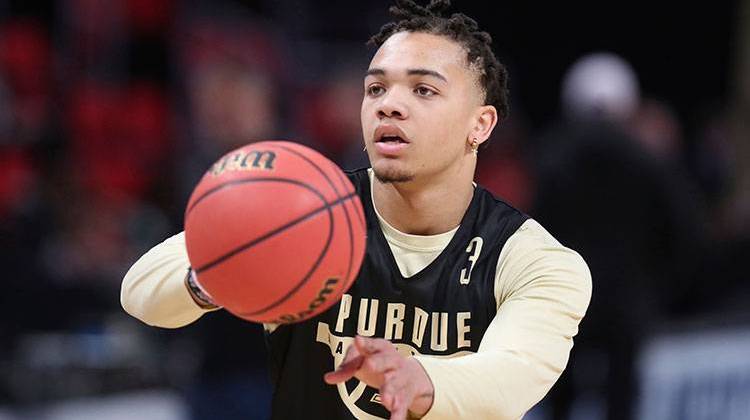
494 384
516 365
154 291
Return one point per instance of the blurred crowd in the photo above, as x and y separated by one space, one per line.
111 111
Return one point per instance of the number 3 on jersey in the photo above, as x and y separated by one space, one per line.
474 248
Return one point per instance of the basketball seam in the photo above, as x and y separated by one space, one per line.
267 235
306 277
233 182
336 191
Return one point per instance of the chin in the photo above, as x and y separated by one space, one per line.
391 174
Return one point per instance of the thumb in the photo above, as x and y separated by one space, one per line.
349 366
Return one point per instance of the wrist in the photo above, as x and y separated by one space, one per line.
197 293
420 406
425 393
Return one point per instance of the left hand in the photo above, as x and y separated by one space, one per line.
402 382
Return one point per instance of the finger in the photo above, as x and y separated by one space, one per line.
395 386
387 400
345 371
351 353
388 390
381 362
400 408
369 346
347 368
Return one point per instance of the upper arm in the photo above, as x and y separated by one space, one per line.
542 291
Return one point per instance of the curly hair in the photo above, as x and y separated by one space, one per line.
411 17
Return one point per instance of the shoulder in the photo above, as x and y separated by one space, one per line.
532 256
495 216
533 243
500 207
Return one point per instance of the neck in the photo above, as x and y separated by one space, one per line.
427 207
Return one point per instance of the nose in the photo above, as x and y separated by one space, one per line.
391 105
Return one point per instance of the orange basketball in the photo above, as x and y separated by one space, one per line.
275 232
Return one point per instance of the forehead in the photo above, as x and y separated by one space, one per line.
405 50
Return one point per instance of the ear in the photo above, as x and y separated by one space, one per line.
485 121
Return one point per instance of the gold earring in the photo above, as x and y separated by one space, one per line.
474 146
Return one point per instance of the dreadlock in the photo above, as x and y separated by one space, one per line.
411 17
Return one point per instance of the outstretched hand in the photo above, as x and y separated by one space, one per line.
403 384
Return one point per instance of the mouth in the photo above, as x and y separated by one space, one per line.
390 135
391 140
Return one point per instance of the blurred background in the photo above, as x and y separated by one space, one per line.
628 139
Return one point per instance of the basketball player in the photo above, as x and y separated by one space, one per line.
464 306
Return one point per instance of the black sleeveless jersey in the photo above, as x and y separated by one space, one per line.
441 311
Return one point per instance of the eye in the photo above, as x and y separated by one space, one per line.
424 91
375 90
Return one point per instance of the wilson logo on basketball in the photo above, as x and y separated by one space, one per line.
319 300
244 161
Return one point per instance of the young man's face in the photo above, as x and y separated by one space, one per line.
418 87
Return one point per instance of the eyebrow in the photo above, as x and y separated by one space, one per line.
411 72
